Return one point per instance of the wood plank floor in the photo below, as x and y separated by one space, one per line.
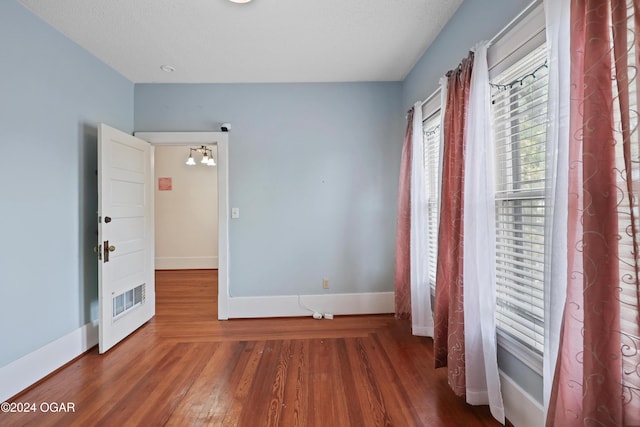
186 368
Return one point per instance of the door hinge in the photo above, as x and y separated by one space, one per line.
98 250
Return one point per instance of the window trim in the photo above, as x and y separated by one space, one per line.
513 45
521 352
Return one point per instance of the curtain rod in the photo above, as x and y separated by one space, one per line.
500 33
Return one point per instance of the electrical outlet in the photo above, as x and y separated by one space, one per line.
325 283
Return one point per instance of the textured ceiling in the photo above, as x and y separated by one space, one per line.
216 41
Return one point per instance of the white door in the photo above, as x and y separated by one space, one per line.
126 281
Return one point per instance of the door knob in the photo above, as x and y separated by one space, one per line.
112 248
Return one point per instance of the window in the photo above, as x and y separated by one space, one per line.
519 99
431 138
519 79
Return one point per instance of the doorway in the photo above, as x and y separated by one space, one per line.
220 141
186 209
186 229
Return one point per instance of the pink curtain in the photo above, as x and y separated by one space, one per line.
597 377
403 228
448 341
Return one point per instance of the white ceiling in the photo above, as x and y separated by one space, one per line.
216 41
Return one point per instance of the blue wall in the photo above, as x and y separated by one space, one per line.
314 170
52 95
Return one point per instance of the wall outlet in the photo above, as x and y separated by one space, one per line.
325 283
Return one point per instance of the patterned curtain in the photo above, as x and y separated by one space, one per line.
403 228
597 376
449 304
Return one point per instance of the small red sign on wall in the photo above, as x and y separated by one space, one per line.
164 184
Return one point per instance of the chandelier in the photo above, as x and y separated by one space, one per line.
207 156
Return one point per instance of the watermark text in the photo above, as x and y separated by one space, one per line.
46 407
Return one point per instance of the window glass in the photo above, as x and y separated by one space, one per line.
519 108
431 137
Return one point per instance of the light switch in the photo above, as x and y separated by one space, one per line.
235 213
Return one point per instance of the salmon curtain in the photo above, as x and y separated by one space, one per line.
597 373
448 341
403 228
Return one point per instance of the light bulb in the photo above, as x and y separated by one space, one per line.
211 162
190 161
205 158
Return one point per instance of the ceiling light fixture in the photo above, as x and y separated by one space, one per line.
167 68
207 156
239 1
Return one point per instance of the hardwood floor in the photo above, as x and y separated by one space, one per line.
186 368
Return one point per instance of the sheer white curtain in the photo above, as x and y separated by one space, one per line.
482 379
421 316
443 108
557 16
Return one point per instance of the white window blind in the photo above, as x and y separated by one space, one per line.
519 99
431 137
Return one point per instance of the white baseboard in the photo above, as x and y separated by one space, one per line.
21 373
422 331
289 305
519 406
186 263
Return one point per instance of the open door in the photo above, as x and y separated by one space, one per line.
126 281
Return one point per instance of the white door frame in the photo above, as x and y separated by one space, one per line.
221 140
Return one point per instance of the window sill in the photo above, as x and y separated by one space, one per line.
514 347
527 356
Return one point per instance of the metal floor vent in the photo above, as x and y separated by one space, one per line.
128 300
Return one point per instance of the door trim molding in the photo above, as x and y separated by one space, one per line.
221 140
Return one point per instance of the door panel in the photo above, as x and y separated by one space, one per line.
126 284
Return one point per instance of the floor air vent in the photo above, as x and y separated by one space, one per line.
127 301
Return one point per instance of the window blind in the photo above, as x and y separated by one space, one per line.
431 138
519 102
